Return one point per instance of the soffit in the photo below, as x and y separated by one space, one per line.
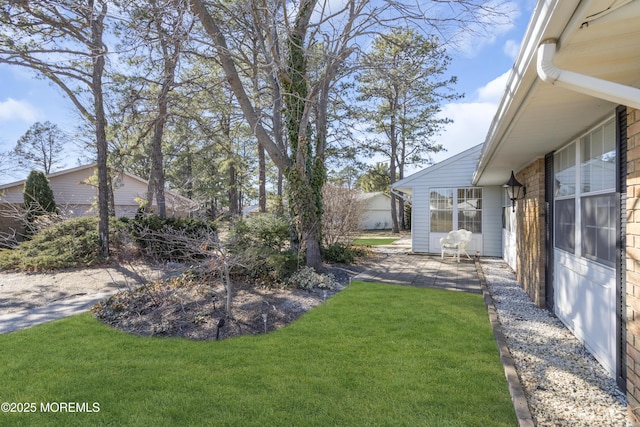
543 117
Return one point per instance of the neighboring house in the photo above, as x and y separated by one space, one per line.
76 196
377 211
443 198
568 125
251 210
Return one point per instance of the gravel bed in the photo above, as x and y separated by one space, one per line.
564 384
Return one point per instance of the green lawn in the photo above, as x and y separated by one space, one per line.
373 355
374 241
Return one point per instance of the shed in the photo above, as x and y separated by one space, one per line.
377 211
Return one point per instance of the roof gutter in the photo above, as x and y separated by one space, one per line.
599 88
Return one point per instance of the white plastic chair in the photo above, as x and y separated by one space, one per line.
455 243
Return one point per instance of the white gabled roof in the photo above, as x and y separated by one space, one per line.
372 195
465 160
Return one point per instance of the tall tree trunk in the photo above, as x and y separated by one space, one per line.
262 180
98 52
394 201
157 160
279 140
401 207
392 170
150 192
306 175
233 190
112 199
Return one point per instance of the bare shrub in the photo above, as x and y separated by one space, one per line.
20 222
200 248
342 216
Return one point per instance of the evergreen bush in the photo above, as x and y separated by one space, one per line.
38 199
70 243
261 247
341 253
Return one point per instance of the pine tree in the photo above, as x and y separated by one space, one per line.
38 198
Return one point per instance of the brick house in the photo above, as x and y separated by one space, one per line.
568 126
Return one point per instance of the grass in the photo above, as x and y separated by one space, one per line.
374 241
373 355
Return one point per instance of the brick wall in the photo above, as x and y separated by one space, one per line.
633 258
531 233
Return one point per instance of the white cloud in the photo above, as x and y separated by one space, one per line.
511 48
492 92
471 120
471 40
13 110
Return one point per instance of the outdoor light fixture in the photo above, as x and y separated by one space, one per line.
515 190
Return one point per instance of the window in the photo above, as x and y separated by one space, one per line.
598 166
441 209
456 208
590 231
564 165
565 224
599 237
470 209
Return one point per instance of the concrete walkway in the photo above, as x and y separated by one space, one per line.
425 271
47 313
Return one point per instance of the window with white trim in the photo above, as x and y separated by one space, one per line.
586 207
470 209
441 208
459 208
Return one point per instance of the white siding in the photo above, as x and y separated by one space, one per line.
377 213
492 221
455 172
420 220
585 301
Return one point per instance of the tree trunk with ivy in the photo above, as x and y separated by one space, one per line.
307 172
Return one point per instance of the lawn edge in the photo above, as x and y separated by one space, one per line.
518 396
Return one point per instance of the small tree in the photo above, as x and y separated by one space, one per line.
41 147
38 199
342 214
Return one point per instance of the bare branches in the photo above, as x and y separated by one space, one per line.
203 250
19 221
343 214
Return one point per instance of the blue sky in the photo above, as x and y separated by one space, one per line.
481 64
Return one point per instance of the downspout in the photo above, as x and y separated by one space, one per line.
603 89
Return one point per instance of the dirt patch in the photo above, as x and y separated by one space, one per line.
194 307
195 311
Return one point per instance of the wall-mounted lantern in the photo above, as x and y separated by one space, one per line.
515 190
